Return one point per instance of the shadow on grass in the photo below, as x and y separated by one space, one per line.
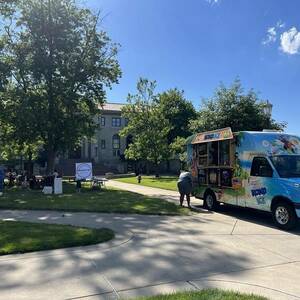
89 200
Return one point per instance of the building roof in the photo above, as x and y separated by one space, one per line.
112 106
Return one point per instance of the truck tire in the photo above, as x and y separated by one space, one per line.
284 215
210 201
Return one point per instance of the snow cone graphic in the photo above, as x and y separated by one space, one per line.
282 145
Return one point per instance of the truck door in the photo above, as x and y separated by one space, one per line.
260 179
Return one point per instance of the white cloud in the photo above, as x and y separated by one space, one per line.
212 1
272 33
290 41
271 36
280 24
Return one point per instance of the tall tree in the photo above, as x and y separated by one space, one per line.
178 111
231 107
59 64
146 124
7 7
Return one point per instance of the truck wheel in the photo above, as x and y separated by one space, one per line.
284 215
210 201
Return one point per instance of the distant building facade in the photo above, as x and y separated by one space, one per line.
107 147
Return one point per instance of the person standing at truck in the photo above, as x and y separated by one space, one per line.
184 185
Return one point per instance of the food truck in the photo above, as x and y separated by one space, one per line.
259 170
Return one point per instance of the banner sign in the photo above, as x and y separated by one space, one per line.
215 135
84 171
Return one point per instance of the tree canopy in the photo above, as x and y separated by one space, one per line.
178 111
55 64
7 7
147 125
232 107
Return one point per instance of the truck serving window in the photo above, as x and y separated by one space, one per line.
213 152
202 176
261 167
224 153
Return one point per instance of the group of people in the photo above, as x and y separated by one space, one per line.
14 179
26 181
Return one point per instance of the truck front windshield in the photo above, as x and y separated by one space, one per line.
287 166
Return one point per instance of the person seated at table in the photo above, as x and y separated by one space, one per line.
11 179
33 183
24 180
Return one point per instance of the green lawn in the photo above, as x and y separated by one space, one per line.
20 237
208 294
106 201
163 182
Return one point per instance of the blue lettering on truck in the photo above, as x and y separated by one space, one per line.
259 192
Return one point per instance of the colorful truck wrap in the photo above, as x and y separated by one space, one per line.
259 170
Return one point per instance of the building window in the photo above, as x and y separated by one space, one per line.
96 151
116 122
102 121
126 122
103 144
116 152
116 141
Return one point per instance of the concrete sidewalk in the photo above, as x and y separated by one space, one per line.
155 254
171 196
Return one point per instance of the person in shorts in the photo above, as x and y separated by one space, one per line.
184 185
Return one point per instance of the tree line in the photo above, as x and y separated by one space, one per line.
55 66
161 122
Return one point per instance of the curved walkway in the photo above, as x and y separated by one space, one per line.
171 196
234 249
153 254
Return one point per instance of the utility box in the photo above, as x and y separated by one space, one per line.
58 189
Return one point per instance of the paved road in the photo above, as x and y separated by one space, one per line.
233 249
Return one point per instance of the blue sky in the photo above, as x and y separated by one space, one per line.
196 44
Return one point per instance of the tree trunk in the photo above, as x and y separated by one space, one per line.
30 165
156 170
50 161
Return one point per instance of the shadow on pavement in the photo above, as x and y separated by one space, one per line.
251 215
164 249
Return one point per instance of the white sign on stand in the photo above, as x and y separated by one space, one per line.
47 190
84 171
58 189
